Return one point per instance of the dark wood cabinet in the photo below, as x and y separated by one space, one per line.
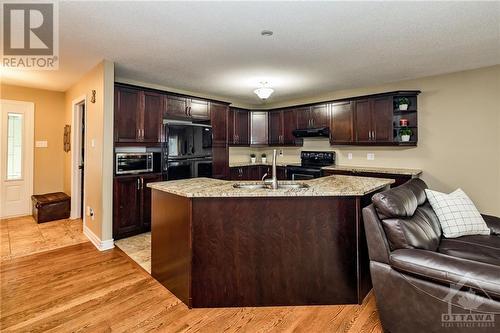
138 115
342 123
313 116
198 109
256 172
176 107
219 120
282 123
146 199
132 204
240 173
239 127
152 117
126 206
275 127
320 115
374 120
220 162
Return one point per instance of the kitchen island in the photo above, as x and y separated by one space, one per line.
214 245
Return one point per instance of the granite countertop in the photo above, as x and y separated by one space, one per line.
394 171
244 164
336 185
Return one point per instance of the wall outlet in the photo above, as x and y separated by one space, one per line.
92 143
90 212
370 156
280 152
349 156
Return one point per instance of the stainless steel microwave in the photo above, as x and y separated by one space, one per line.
130 163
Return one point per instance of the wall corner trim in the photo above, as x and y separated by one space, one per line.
101 245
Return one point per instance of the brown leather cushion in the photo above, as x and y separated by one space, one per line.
493 223
478 248
420 231
400 201
448 270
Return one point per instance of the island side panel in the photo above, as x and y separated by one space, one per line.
274 251
171 243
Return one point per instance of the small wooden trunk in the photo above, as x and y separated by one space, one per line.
50 206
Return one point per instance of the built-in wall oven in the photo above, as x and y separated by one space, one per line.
187 150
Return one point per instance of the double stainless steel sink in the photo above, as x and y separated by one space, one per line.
256 186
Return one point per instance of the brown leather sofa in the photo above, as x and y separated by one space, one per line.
422 281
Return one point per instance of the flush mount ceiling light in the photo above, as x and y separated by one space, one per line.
266 33
263 92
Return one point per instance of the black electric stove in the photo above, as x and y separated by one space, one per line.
311 164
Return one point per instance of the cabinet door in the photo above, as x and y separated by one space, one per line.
152 113
363 120
303 117
281 173
176 107
220 162
239 173
342 122
254 172
259 128
198 109
218 116
382 119
126 206
146 199
242 127
275 127
289 125
320 115
127 114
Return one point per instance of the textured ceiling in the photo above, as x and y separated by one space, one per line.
216 48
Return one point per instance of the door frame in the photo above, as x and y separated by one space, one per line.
76 146
28 159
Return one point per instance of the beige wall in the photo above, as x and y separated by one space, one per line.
96 131
49 126
459 134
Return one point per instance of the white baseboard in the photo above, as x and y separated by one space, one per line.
98 243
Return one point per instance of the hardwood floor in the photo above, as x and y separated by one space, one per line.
22 236
78 288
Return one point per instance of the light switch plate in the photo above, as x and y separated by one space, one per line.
349 156
370 156
92 143
41 144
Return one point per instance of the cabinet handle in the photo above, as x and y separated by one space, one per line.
373 135
142 183
138 184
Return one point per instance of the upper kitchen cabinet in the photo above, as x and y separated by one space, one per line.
239 127
198 109
176 107
282 123
320 115
342 123
219 120
259 128
138 115
374 120
313 116
152 117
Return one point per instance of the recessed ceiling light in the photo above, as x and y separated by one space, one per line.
266 33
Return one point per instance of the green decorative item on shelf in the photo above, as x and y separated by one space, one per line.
405 134
403 103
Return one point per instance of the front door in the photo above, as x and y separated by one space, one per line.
16 161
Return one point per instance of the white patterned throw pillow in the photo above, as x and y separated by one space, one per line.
457 214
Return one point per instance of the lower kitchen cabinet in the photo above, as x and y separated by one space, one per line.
400 179
132 204
256 172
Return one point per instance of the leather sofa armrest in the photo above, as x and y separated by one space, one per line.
448 270
493 223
